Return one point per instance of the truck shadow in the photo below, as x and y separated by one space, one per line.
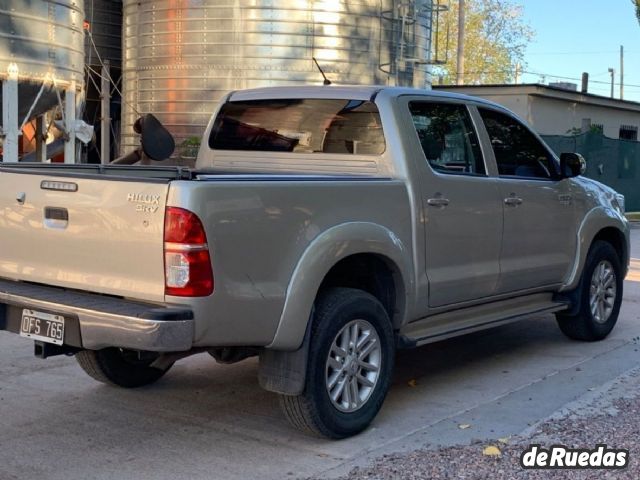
428 382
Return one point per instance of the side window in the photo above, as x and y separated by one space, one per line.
518 152
448 139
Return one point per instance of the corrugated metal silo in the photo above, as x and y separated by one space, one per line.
41 38
181 56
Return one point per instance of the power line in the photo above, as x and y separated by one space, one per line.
602 82
542 74
602 52
606 89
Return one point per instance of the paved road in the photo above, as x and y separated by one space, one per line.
205 420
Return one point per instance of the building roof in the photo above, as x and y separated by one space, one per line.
546 91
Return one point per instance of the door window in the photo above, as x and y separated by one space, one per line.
518 152
448 140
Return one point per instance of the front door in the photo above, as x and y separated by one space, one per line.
539 226
462 209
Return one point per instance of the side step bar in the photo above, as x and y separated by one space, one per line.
472 319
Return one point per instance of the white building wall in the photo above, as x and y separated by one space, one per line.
555 113
556 117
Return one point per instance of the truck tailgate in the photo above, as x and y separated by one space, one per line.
102 235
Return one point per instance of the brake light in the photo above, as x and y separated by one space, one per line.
187 264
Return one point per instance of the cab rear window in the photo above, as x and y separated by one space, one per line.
339 126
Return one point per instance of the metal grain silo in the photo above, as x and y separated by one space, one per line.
41 52
41 38
181 56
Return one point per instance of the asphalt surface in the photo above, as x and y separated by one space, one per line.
205 420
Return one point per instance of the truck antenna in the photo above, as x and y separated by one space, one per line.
326 80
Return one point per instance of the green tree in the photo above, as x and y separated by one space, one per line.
637 5
496 36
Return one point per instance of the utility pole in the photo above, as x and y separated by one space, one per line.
613 73
517 76
621 72
460 66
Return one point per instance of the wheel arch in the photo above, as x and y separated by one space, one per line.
618 241
380 260
599 224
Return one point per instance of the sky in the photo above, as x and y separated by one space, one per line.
575 36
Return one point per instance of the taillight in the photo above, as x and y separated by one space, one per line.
187 264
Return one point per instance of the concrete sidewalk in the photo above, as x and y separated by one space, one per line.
606 416
205 420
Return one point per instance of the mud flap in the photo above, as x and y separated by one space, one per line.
285 372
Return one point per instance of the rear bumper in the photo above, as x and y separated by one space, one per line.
95 321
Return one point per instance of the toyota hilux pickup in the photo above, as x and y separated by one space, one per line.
322 229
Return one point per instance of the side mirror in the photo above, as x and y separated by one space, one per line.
572 165
157 142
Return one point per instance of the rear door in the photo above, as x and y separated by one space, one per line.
101 235
539 222
462 210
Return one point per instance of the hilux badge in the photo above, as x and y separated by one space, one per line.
147 203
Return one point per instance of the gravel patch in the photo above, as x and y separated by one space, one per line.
611 417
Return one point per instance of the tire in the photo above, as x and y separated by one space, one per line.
344 313
588 325
124 368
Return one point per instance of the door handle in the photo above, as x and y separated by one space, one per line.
56 213
438 202
56 217
512 201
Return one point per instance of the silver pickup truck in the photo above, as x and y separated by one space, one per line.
322 229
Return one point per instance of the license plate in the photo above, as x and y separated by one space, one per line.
45 327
